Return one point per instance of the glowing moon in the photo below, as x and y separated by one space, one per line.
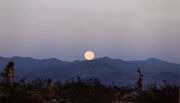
89 55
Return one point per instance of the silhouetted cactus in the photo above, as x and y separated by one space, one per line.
166 85
22 81
49 81
3 75
139 82
8 75
153 86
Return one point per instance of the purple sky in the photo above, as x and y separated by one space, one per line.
65 29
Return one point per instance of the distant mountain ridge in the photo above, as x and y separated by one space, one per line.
107 70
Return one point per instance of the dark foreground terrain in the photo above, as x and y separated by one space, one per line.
81 90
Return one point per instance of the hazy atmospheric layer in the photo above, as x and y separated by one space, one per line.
65 29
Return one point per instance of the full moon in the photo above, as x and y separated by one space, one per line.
89 55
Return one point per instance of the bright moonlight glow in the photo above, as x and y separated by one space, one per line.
89 55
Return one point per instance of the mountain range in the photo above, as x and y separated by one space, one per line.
107 70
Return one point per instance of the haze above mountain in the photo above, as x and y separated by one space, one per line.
107 70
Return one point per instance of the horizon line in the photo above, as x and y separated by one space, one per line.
87 60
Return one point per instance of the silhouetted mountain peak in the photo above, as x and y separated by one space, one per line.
103 59
18 57
155 60
1 57
106 69
106 58
52 59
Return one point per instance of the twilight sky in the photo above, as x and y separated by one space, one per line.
65 29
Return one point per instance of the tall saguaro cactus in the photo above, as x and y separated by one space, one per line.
9 72
139 82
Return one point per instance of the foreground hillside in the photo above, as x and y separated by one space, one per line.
81 90
107 70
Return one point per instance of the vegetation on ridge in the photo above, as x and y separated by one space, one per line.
81 90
